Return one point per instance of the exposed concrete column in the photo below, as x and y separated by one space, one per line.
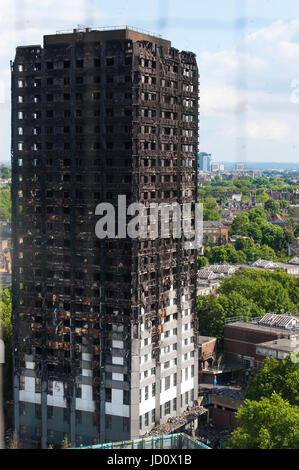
2 361
134 387
73 415
44 415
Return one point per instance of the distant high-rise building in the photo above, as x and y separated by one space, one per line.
239 167
204 162
214 167
105 332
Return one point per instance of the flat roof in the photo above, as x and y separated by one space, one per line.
104 34
265 328
205 339
281 344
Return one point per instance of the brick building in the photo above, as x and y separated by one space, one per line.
243 342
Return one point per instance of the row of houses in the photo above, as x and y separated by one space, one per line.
209 278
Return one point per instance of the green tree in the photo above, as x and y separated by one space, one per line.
271 423
236 305
270 291
254 231
65 443
5 172
225 254
240 224
208 239
283 204
5 204
202 261
279 376
211 211
267 253
5 318
211 317
257 213
272 206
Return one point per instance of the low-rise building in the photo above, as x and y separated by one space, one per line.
206 352
241 339
217 230
209 278
291 268
293 249
278 348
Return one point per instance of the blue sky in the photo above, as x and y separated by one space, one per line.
248 55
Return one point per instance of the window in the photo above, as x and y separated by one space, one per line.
22 409
175 379
50 387
37 385
126 424
50 412
78 417
78 389
167 408
153 390
140 422
38 411
126 397
167 383
108 421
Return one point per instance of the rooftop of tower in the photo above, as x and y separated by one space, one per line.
105 34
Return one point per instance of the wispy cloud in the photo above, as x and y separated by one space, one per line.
254 84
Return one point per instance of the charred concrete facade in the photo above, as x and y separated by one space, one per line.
105 333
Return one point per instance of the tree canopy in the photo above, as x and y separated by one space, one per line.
5 318
271 423
211 211
279 376
5 204
247 294
254 225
